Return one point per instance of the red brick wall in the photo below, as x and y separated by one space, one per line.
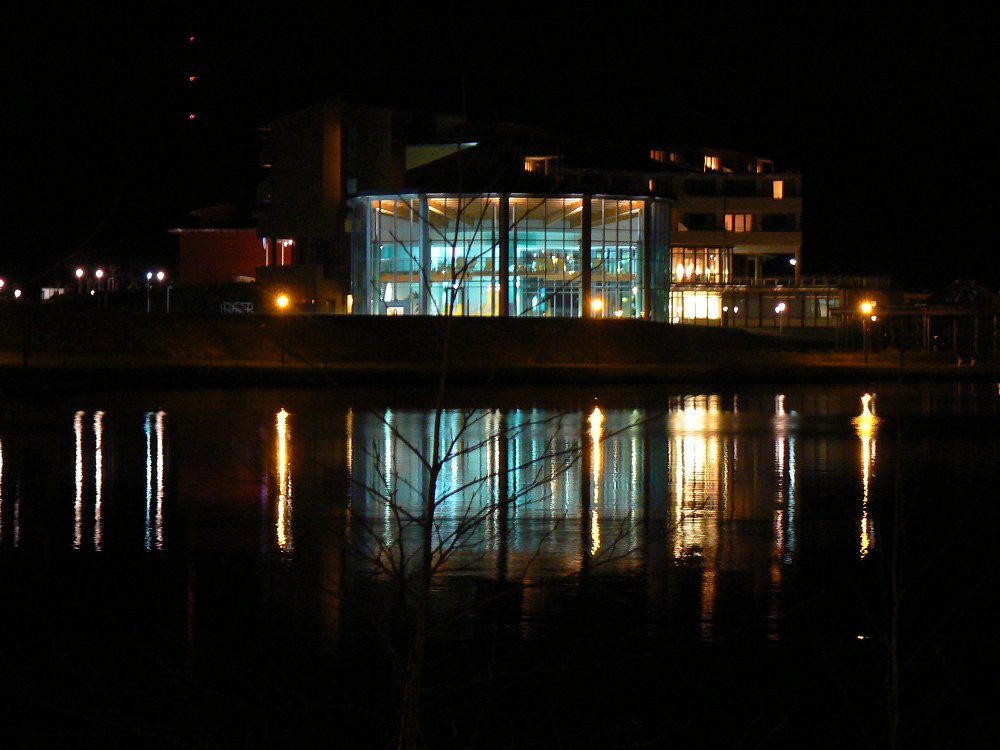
216 256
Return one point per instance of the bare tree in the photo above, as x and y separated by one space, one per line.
441 506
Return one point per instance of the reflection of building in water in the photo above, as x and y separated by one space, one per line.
725 484
523 490
154 430
510 488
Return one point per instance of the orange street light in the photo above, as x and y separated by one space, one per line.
866 308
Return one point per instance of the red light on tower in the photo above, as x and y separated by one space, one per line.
191 38
191 79
191 116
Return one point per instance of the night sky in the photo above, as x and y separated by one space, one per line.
884 114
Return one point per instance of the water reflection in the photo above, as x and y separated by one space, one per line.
98 475
596 433
704 496
283 524
78 502
2 518
866 424
154 432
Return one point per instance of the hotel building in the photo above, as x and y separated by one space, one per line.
374 211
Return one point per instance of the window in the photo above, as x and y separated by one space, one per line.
741 188
778 189
711 163
700 187
699 265
739 222
657 154
538 164
778 222
696 223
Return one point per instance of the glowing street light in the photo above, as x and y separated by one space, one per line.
281 301
866 310
596 304
778 310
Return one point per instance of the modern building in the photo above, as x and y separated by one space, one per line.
374 211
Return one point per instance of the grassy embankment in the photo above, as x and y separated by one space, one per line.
62 344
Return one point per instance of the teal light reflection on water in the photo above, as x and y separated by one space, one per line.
164 534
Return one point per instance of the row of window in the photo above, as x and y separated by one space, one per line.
737 222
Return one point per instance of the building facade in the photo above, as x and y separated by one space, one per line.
382 212
510 255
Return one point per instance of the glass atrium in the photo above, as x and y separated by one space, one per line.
511 255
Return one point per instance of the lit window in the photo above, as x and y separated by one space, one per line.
778 186
712 163
538 164
739 222
658 154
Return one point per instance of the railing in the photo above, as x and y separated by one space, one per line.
854 282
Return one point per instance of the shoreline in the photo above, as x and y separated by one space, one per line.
52 350
787 369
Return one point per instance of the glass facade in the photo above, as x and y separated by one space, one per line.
513 255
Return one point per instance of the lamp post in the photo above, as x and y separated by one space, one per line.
281 302
160 276
866 311
79 281
778 310
149 283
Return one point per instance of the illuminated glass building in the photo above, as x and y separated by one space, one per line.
382 212
517 255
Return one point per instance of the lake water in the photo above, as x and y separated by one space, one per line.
761 567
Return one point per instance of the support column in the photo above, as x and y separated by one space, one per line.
649 246
585 276
504 253
424 257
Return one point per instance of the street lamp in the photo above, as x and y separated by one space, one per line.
282 302
79 281
866 311
596 304
778 310
149 283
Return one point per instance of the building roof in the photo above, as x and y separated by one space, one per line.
965 293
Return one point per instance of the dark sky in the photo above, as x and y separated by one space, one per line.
885 114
